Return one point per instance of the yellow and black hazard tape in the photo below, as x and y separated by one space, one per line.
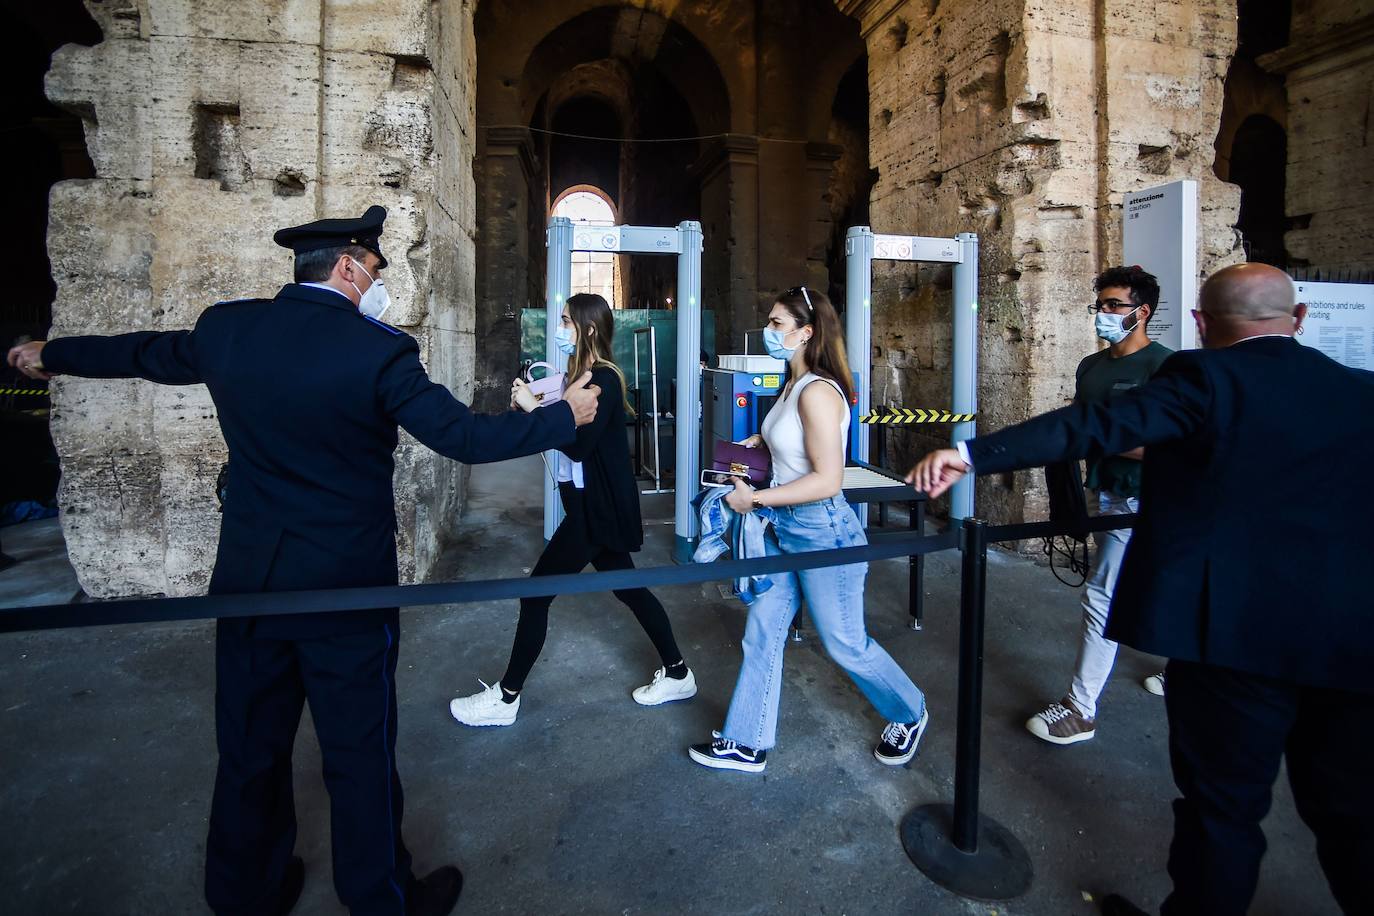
31 392
903 415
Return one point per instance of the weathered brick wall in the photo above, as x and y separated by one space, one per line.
1026 121
1329 71
211 124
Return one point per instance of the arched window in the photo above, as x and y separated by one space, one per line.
592 271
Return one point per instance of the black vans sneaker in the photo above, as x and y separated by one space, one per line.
900 739
724 754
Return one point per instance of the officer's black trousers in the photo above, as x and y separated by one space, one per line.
1228 732
349 681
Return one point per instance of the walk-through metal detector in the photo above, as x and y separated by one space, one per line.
861 248
684 241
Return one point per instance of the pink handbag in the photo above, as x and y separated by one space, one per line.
549 389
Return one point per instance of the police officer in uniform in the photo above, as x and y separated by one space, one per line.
310 388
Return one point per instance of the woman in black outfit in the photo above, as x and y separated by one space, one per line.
602 525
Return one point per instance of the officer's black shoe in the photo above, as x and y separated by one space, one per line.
1116 905
436 893
291 884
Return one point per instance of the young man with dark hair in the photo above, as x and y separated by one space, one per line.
1126 299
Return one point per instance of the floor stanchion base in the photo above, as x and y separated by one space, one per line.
999 870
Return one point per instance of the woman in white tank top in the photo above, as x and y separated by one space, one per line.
806 432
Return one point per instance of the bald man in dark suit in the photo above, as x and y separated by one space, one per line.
1248 569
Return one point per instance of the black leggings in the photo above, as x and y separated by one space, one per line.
569 551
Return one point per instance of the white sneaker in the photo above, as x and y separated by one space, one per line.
665 689
1155 684
485 707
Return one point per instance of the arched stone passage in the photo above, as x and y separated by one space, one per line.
716 104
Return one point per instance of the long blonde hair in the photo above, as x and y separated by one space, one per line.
588 310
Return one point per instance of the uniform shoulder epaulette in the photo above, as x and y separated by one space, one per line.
384 326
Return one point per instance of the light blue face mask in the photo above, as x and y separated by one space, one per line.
1111 328
773 343
563 339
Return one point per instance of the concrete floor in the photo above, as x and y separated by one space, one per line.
43 575
589 803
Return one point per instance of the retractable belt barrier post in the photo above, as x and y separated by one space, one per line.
943 840
957 847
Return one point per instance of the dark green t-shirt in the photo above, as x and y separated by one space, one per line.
1100 376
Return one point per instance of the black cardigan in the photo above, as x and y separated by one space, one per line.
610 494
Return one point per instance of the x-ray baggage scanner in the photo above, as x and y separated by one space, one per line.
683 241
861 248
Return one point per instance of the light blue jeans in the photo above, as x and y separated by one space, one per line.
835 599
1097 653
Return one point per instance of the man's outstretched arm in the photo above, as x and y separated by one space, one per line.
1172 405
166 357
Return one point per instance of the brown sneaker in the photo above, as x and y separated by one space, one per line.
1060 723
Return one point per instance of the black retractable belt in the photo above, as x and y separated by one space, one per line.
263 604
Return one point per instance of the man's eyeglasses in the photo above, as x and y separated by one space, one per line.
1109 305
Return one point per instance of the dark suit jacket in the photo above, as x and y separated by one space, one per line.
309 394
610 495
1256 529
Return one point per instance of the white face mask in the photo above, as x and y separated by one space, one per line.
376 300
1112 328
775 342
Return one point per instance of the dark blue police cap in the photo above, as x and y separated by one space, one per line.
365 232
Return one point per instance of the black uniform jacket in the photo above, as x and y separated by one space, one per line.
611 494
309 394
1256 531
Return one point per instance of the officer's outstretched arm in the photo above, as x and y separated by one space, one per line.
430 413
166 357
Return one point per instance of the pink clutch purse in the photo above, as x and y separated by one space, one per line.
548 389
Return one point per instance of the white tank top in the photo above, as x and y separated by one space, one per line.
782 431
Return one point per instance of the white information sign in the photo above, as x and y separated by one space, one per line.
1159 232
1340 321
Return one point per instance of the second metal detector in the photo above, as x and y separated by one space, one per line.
861 248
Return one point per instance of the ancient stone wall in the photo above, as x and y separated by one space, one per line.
1026 121
1329 70
210 125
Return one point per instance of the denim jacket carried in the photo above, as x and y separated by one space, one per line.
723 530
